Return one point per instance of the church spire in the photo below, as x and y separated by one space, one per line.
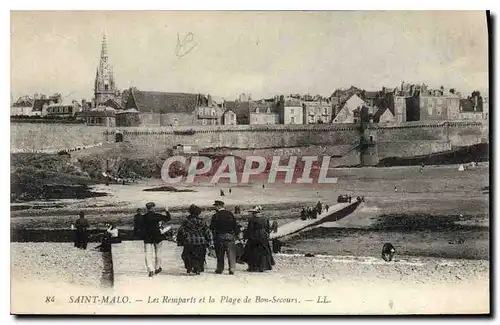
104 88
104 48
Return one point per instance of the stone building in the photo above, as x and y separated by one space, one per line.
317 112
471 108
241 109
105 91
292 111
399 109
22 106
99 117
129 117
61 110
40 104
172 109
263 112
229 117
432 107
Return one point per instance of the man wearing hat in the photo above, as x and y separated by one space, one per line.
152 236
225 231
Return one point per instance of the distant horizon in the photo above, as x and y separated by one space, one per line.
259 53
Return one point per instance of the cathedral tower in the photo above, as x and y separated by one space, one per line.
105 88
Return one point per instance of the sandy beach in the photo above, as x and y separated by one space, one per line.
348 285
438 221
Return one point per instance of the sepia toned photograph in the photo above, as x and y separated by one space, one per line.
250 162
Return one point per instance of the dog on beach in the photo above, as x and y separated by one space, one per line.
388 252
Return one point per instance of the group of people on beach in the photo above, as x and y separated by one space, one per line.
313 212
81 229
222 236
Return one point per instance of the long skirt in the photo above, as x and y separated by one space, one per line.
194 258
81 239
258 256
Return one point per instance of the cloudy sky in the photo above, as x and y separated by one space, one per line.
262 53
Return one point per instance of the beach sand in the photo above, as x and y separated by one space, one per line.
346 285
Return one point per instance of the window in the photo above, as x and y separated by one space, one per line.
269 110
292 111
213 112
175 121
325 111
292 120
106 87
201 110
204 121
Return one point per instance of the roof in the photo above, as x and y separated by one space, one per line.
378 114
130 110
263 106
38 104
292 102
162 102
242 109
112 103
371 94
353 102
230 105
23 103
318 103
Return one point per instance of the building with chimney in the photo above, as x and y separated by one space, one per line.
105 91
263 112
317 112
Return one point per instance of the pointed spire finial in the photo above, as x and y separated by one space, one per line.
104 48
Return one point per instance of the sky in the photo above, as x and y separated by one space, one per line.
262 53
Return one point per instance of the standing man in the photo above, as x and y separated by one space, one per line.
225 231
153 238
81 234
319 207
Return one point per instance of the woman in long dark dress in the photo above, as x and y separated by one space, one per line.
195 236
258 254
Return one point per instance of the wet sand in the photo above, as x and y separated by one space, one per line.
439 212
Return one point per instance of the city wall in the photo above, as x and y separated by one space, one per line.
419 139
404 140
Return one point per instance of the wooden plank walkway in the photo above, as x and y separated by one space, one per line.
334 213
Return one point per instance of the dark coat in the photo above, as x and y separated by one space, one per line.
224 226
258 229
258 252
138 225
81 225
149 227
